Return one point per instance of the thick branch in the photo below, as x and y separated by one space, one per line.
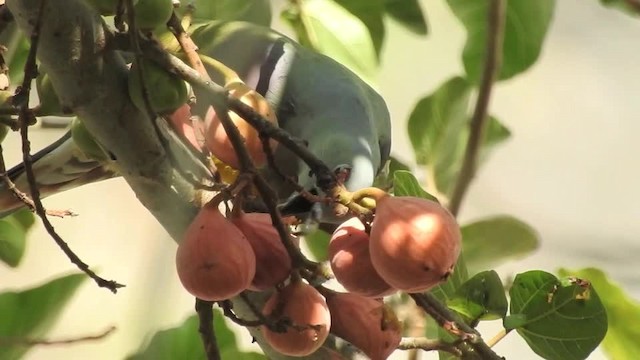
493 60
92 81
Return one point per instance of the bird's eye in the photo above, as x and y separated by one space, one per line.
343 173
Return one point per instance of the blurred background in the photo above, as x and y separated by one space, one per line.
568 170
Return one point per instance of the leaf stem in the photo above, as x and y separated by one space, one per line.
497 337
493 61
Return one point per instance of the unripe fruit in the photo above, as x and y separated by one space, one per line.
307 311
86 142
151 14
351 263
366 323
273 263
166 91
217 139
414 242
214 260
49 102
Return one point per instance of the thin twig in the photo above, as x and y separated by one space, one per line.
450 322
23 197
227 308
12 341
21 99
492 63
207 332
421 343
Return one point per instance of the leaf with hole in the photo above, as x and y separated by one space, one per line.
565 319
30 314
621 341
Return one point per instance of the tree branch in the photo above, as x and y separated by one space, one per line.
493 61
206 329
450 322
10 341
93 81
420 343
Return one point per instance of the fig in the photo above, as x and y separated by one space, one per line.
216 137
214 259
367 323
308 319
86 142
273 263
351 263
414 242
190 131
166 91
151 14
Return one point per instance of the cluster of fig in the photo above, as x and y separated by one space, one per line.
413 245
311 315
218 258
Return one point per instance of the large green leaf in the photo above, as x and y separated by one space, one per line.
370 12
490 242
255 11
13 236
480 298
30 314
526 26
12 241
439 128
565 319
334 31
183 342
621 341
408 13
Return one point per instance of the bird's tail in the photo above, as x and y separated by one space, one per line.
58 167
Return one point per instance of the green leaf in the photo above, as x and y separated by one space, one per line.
514 321
490 242
630 7
623 312
183 342
255 11
436 121
370 12
405 184
30 314
480 298
318 244
13 241
25 217
335 32
396 165
439 129
526 26
408 13
565 319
